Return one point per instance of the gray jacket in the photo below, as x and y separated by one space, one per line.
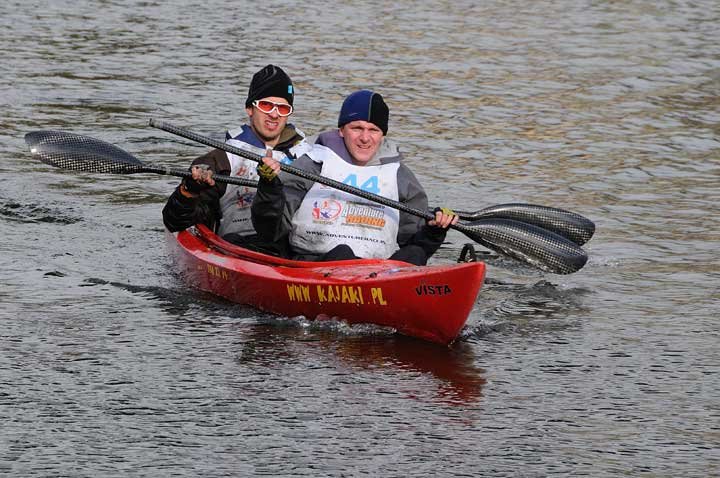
276 201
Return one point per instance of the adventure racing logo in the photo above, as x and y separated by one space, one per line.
355 214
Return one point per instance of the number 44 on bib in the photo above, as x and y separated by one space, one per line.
371 185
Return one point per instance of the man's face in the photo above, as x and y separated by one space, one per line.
362 140
268 125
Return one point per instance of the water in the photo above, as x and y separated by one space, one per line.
111 366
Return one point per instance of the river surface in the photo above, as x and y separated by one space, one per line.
112 366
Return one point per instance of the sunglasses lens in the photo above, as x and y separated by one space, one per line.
265 106
283 109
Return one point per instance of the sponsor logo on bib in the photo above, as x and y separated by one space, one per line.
326 210
366 215
244 198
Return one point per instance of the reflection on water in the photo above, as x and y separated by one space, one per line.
269 342
460 380
393 361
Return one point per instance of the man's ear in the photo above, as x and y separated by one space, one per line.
249 111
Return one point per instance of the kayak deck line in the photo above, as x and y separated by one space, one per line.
428 302
234 250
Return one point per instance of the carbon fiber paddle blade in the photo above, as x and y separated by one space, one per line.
570 225
81 153
525 242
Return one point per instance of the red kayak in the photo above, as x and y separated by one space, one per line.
430 302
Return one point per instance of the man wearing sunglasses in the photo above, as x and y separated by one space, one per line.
224 207
319 223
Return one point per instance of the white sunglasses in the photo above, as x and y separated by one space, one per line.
267 107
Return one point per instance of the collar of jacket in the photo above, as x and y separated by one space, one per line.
387 153
289 137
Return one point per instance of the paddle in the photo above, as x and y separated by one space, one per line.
544 249
81 153
570 225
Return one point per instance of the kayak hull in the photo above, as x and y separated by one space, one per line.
429 302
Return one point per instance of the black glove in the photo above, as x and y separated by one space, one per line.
195 187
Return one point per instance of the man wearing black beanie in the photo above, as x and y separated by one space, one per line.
318 223
226 208
270 81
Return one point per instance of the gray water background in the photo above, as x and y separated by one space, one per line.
111 366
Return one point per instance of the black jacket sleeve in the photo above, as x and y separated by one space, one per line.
181 212
414 230
276 202
266 212
430 238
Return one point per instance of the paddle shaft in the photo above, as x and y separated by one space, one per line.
464 215
295 171
220 178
